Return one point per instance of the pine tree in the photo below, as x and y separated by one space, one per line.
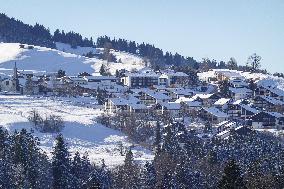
6 166
158 138
103 71
61 165
232 178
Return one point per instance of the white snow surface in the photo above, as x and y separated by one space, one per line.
70 60
81 132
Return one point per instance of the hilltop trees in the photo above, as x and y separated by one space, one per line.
72 38
232 64
254 62
13 30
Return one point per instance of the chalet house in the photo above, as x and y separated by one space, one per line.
267 120
240 109
269 103
238 83
176 93
223 74
127 104
150 97
263 90
240 93
224 126
247 111
189 105
79 80
114 105
137 108
171 108
102 82
207 99
213 115
222 103
170 78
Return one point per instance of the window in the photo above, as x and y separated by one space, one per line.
7 82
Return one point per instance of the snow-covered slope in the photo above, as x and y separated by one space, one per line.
51 60
81 132
264 79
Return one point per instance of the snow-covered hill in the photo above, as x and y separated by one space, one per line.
66 58
264 79
81 132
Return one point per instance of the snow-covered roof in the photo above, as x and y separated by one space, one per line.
240 90
171 105
193 103
272 100
157 95
216 112
90 78
202 96
222 101
249 108
118 101
137 106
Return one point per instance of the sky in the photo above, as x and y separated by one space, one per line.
215 29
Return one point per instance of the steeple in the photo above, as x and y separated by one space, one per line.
15 75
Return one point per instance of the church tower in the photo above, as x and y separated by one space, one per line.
16 86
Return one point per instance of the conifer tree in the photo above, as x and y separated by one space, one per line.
232 178
61 165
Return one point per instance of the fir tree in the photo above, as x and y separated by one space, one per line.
232 178
61 165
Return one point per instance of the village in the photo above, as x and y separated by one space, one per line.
220 102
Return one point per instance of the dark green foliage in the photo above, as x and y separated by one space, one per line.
232 178
61 165
12 30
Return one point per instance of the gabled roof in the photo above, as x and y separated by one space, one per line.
222 101
216 112
240 90
171 105
272 100
249 108
157 95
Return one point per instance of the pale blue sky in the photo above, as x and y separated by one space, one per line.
217 29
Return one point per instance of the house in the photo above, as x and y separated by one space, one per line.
140 79
114 105
222 103
169 108
267 120
79 80
176 93
11 84
189 105
213 115
268 90
150 97
269 103
102 82
240 109
207 99
225 74
170 78
224 126
237 82
127 104
240 93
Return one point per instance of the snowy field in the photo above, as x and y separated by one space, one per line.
81 132
42 59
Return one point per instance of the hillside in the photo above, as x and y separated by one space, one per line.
82 132
51 60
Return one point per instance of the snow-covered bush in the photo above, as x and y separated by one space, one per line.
51 124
